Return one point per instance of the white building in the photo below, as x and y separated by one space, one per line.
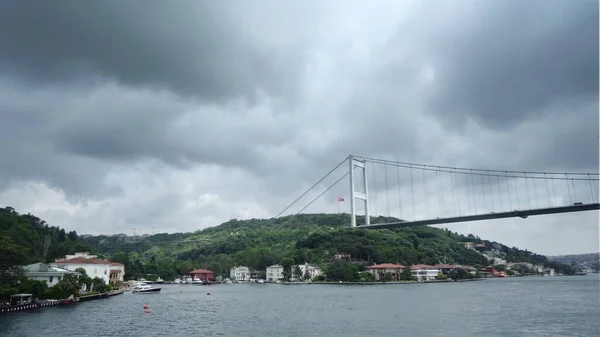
44 272
117 272
424 272
306 268
93 266
240 274
274 273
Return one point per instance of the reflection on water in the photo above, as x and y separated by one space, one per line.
539 306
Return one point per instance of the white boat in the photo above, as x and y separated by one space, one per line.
145 289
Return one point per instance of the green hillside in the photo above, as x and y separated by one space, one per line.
315 238
256 243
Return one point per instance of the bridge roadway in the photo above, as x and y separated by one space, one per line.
511 214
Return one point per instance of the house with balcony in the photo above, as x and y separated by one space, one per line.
93 266
239 274
424 272
307 270
274 273
117 272
381 270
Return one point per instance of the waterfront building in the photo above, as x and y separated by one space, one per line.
240 274
202 275
274 273
424 272
380 270
93 266
44 272
306 270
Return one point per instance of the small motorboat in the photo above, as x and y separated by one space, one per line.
145 289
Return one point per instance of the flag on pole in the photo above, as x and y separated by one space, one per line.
340 199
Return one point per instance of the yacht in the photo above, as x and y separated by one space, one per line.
144 288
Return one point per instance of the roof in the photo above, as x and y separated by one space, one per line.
423 266
116 264
201 271
386 266
43 269
83 260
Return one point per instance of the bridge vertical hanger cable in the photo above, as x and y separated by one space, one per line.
548 191
538 203
554 192
453 190
412 193
466 175
426 193
592 189
527 188
491 194
399 193
373 195
387 197
569 189
472 183
574 191
499 192
486 209
518 198
439 194
508 189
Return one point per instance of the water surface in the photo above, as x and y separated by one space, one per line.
536 306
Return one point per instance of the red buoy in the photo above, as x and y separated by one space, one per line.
207 293
147 311
146 306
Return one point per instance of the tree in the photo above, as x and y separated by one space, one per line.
406 275
306 275
297 272
287 263
342 271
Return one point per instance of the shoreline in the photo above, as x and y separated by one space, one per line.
380 283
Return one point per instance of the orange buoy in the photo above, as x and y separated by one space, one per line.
146 306
147 311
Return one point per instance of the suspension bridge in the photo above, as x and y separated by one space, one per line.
420 195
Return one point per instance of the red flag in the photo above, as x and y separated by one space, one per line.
340 199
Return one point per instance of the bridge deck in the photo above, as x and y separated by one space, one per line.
488 216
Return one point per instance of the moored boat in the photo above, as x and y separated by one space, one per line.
145 289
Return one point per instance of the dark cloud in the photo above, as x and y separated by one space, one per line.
196 48
200 111
508 60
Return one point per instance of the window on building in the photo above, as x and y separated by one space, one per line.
51 278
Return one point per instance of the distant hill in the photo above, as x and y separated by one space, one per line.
590 260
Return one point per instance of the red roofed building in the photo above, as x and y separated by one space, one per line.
202 274
93 266
380 270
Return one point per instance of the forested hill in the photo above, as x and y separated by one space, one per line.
314 238
23 239
256 243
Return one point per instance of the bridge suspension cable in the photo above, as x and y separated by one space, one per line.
445 194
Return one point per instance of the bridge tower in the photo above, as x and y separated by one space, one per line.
353 163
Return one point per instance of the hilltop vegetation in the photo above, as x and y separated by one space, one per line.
314 238
22 242
256 243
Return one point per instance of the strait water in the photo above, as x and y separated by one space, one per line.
535 306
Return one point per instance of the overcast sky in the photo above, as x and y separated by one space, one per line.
181 116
